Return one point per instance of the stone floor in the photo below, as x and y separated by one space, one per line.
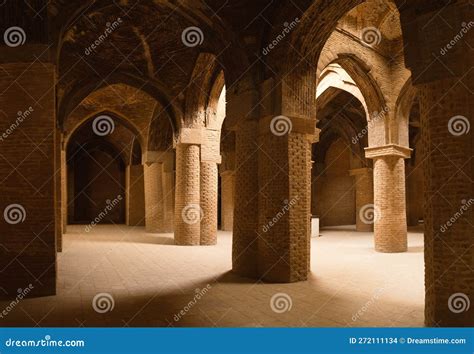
151 282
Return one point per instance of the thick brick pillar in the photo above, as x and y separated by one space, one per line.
153 197
244 238
188 212
168 197
364 188
227 200
57 190
284 198
447 118
27 188
135 195
389 210
208 203
64 194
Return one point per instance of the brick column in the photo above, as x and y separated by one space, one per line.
135 195
188 211
153 197
244 238
208 203
389 210
364 187
227 200
27 190
168 196
64 196
57 191
447 118
284 199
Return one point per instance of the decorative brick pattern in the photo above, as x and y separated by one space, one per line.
154 215
227 200
188 179
208 203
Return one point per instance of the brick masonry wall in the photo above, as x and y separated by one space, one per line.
28 248
334 191
448 176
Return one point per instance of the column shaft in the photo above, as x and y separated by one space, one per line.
390 223
364 187
208 203
227 200
447 112
135 195
188 211
244 238
153 197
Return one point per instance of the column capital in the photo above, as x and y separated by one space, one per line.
150 157
360 171
387 150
